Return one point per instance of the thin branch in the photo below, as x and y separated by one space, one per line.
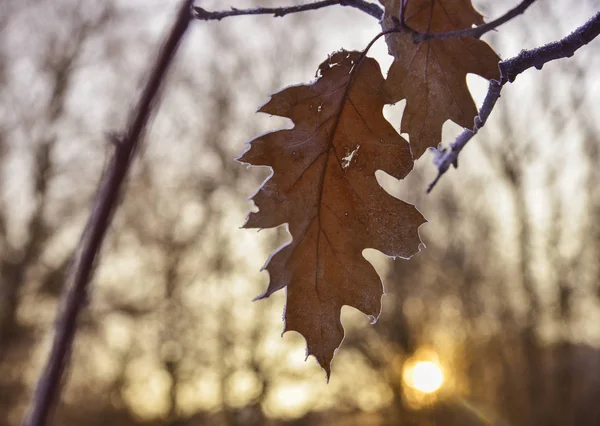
477 31
84 259
365 6
401 16
509 70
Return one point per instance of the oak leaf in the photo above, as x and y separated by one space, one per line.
323 186
431 75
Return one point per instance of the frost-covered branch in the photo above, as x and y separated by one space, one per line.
365 6
49 385
509 70
475 32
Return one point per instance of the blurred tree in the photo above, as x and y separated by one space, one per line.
506 292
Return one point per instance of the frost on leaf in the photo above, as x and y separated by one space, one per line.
332 204
431 75
347 160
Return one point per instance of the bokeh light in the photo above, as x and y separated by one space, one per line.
424 376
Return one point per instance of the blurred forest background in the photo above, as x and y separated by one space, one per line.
506 295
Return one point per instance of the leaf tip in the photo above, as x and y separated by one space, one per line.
323 363
260 297
327 375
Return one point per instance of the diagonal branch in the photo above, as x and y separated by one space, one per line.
363 5
477 31
509 70
85 257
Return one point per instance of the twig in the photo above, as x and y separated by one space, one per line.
509 70
365 6
49 385
401 17
473 32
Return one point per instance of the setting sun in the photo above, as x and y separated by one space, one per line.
424 376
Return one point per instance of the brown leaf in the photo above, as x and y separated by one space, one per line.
324 187
431 76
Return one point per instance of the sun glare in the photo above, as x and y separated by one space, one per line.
424 376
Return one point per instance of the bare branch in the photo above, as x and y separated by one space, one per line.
84 259
477 31
365 6
509 70
402 21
